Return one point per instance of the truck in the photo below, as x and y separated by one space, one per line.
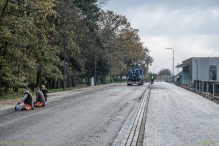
135 75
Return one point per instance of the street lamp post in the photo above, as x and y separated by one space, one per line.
197 67
173 63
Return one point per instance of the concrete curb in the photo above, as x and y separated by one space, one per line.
11 108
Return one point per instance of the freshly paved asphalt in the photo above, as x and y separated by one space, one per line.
93 118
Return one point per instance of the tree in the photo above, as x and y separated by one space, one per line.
165 72
25 35
122 42
33 35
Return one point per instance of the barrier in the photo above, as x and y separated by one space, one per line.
204 88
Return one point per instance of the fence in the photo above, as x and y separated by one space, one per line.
205 88
162 78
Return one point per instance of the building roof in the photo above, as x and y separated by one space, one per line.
182 65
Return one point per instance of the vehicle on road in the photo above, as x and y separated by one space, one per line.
135 75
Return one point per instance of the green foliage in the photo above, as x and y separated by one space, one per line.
33 35
12 95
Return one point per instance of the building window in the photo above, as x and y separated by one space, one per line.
212 72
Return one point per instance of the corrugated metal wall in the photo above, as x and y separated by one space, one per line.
203 67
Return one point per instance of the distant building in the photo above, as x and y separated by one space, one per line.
178 78
201 68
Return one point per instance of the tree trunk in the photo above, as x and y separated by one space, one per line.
32 86
52 84
73 81
69 83
49 85
56 84
88 81
61 83
0 89
38 78
27 84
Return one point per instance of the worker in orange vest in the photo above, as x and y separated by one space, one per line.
27 99
39 98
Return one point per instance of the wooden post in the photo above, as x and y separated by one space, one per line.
203 83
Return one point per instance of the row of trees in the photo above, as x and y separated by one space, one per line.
34 33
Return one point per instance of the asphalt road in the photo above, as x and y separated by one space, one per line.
177 117
93 118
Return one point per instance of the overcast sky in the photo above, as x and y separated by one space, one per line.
190 27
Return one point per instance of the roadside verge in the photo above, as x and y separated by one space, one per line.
6 108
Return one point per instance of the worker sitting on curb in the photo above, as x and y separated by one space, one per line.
27 99
44 92
39 98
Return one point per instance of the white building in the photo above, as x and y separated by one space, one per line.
201 68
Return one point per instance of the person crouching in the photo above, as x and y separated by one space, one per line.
39 98
27 99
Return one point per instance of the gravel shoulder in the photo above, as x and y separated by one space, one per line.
7 105
179 117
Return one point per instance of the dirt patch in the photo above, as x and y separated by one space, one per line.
216 101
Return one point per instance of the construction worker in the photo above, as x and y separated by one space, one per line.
152 79
39 98
27 99
44 92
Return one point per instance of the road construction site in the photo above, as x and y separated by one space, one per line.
118 115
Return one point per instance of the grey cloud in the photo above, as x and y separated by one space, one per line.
121 5
172 17
191 27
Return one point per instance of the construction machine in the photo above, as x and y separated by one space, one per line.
135 75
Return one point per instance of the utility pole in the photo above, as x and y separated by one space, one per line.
110 65
95 68
120 72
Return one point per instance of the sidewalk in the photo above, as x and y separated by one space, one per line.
9 104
